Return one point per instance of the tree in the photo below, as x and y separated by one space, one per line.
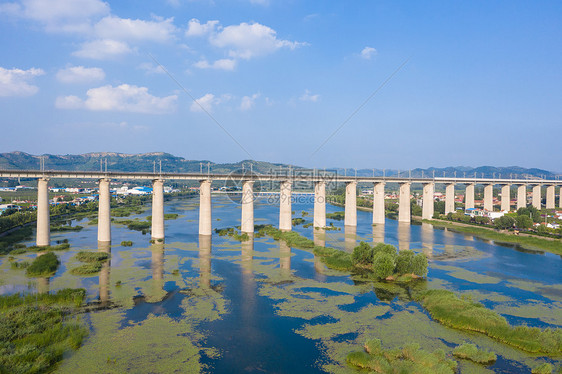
404 262
504 222
362 254
523 222
385 248
419 265
383 265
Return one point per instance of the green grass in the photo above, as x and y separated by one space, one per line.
338 216
87 269
447 308
544 368
84 256
334 258
66 228
19 264
66 296
409 359
36 331
9 241
529 242
43 266
471 352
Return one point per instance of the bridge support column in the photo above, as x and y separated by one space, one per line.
537 196
560 197
247 224
506 197
427 203
43 220
320 204
469 196
550 197
378 203
522 196
157 209
489 197
205 225
450 198
104 211
404 203
350 218
285 208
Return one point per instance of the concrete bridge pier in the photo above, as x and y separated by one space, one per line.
378 203
560 197
489 197
522 196
43 219
469 196
157 209
550 197
247 221
537 196
404 202
285 207
428 205
320 204
450 198
506 197
104 211
205 225
350 218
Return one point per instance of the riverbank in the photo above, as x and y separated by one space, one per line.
525 241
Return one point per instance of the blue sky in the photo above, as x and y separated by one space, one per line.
471 83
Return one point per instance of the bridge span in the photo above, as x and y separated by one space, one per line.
319 179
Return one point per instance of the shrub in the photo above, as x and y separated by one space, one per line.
43 266
383 265
362 254
127 243
471 352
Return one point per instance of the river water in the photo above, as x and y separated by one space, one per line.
217 305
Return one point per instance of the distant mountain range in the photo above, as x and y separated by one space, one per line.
171 163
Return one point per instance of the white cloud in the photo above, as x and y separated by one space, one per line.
112 27
308 97
368 52
151 68
248 102
222 64
16 82
80 74
206 101
58 15
196 28
123 98
103 49
250 40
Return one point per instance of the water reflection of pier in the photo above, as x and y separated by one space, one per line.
205 261
350 238
403 236
284 259
104 247
427 237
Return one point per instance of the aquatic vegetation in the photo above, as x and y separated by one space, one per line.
19 264
460 313
127 243
233 233
34 339
334 258
44 265
85 256
409 359
467 275
471 352
544 368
